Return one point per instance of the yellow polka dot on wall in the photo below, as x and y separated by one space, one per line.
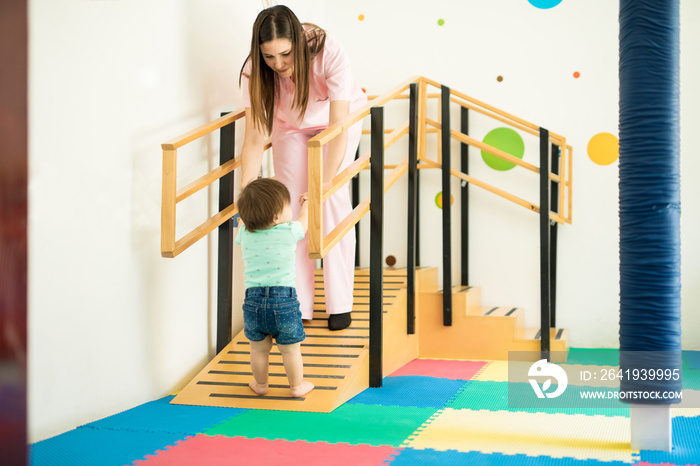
604 148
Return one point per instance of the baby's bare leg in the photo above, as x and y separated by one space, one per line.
293 365
259 363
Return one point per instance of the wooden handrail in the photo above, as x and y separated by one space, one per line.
203 130
495 116
358 212
170 247
493 109
207 179
499 192
362 162
334 130
202 230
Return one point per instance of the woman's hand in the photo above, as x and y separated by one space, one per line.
252 151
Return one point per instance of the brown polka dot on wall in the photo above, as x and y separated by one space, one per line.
390 261
499 79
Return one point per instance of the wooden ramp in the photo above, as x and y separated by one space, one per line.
336 362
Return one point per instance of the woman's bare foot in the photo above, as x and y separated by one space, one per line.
259 388
301 389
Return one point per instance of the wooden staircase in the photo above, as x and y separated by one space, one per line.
477 332
338 362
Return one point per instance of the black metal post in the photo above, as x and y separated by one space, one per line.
446 204
412 201
224 292
417 218
355 201
545 263
464 200
376 271
556 154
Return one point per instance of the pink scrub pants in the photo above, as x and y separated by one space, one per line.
290 155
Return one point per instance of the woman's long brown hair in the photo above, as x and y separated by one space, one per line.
279 22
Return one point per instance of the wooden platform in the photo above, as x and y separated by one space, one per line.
336 362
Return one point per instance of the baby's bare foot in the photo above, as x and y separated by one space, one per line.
302 389
259 388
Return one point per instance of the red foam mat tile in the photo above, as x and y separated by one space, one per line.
443 368
219 451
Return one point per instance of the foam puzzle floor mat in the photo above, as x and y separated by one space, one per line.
430 412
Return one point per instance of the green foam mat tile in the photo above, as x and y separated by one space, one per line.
354 424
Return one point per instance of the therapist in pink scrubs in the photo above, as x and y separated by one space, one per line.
296 82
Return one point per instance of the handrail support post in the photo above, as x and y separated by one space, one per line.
376 272
446 143
412 202
224 292
545 241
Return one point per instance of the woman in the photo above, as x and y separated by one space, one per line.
296 82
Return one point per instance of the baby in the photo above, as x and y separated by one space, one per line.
268 240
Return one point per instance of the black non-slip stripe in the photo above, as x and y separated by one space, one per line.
361 295
243 384
367 296
511 311
318 345
354 304
385 282
337 336
364 288
325 327
354 319
465 289
275 374
257 397
311 355
489 312
561 330
247 363
539 333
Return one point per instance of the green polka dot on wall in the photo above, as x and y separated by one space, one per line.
604 148
438 200
507 140
441 22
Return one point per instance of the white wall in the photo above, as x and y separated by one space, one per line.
113 325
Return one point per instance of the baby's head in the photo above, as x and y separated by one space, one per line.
262 203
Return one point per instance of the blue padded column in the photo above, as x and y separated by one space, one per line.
650 321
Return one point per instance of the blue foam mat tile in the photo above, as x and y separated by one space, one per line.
161 416
686 444
412 457
410 390
692 359
86 446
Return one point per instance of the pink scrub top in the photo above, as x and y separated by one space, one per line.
330 79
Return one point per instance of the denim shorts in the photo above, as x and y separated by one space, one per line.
273 310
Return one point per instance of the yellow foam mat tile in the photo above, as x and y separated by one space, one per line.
495 371
534 434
